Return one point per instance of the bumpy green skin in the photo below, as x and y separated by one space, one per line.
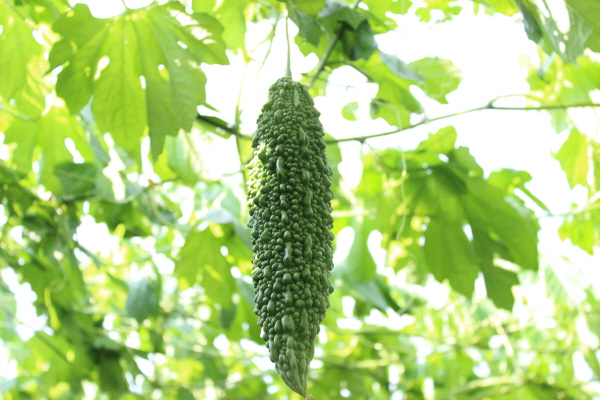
290 215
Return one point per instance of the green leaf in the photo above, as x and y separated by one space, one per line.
142 301
463 157
573 157
359 266
22 64
514 225
582 229
400 68
375 292
381 8
450 256
424 12
49 134
588 11
230 13
440 77
184 394
152 78
341 12
506 7
441 142
530 19
394 102
184 158
498 281
438 194
579 35
227 315
200 259
349 111
111 374
310 7
76 179
509 179
359 43
308 27
128 215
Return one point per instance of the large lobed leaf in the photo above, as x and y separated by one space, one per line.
140 70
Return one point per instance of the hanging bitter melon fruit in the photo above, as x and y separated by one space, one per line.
289 198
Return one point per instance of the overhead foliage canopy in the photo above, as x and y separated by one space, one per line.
135 253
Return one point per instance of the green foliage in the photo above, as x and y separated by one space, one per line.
125 256
147 68
22 64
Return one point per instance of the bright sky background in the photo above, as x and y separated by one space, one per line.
494 55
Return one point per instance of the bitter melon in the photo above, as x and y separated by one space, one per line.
289 198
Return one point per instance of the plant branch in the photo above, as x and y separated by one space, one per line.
225 128
488 106
323 61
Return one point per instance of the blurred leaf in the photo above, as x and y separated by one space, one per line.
506 7
76 179
589 12
359 43
127 214
230 14
49 134
112 379
381 8
510 222
184 158
440 77
349 111
447 245
200 259
227 315
359 266
308 27
440 142
311 7
530 19
498 281
400 68
340 12
142 301
510 179
394 102
424 12
184 394
582 229
376 292
22 63
573 157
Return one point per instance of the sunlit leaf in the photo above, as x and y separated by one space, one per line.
440 77
21 62
142 69
573 157
142 301
447 245
200 260
48 134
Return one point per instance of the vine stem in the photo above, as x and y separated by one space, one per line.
488 106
